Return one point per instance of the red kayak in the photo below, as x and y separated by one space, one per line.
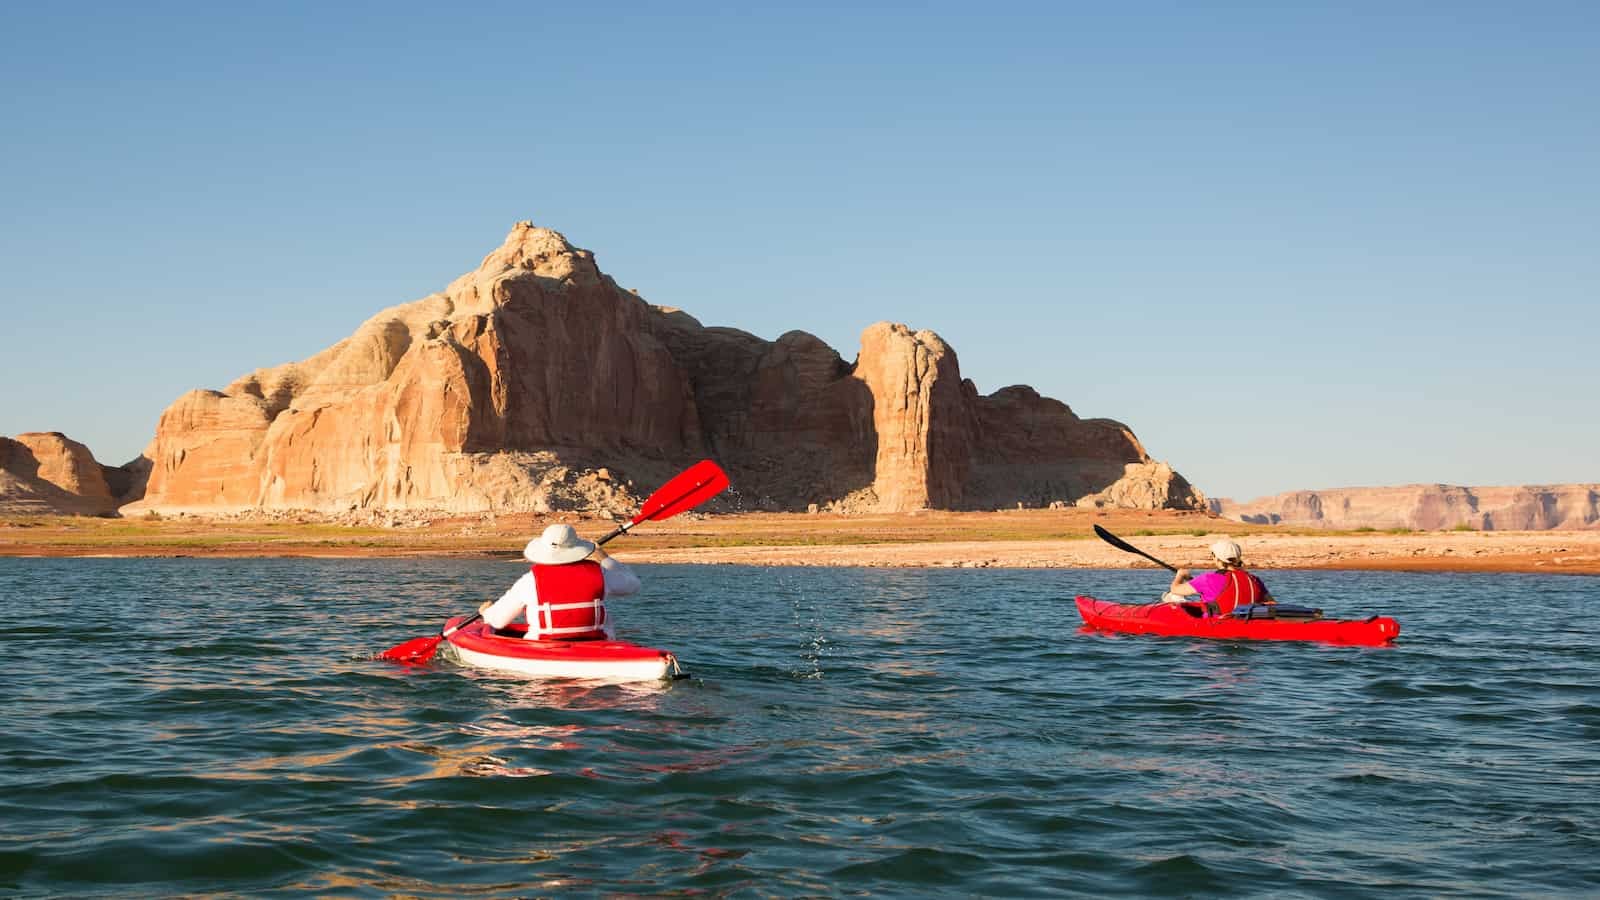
1258 623
478 645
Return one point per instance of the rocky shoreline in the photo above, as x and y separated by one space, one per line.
1013 539
1532 552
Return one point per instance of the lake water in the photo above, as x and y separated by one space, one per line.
217 727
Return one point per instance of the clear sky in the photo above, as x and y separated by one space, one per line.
1291 247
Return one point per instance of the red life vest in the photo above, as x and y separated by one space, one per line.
1242 588
572 602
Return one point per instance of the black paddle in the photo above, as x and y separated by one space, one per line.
1121 544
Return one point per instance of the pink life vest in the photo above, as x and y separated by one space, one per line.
571 605
1242 587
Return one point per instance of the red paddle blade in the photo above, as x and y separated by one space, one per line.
692 487
416 650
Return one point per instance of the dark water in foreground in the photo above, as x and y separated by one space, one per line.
211 727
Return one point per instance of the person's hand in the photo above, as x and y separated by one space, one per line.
599 553
1182 575
484 606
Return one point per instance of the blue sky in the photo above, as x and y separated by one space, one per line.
1291 248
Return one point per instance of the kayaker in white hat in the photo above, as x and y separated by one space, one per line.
563 594
1227 587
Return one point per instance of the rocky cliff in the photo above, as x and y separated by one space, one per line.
1427 507
515 386
49 473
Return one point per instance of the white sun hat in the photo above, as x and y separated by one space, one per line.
1226 551
558 545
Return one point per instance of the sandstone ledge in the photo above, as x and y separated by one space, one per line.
1025 539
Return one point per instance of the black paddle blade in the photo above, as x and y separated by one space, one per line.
1115 541
1121 544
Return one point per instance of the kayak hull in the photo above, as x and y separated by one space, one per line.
1188 620
477 645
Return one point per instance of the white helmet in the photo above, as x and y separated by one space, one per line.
1227 551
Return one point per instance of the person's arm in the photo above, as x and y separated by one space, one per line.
517 598
620 580
1180 588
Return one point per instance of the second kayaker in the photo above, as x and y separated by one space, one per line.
1224 589
563 594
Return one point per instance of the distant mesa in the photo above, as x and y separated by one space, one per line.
535 383
1426 507
45 472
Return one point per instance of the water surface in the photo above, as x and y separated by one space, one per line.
217 727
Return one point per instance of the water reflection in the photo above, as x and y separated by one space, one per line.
508 690
541 737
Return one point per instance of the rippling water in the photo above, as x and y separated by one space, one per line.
217 727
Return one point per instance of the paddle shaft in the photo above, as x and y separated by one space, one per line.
622 529
1121 544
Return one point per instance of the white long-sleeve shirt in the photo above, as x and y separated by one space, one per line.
522 596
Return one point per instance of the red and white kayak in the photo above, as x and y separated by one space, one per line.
478 645
1190 620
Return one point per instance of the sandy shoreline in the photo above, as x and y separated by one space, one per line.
1569 553
1024 538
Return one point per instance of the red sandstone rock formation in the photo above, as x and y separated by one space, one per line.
1036 451
1427 507
921 416
49 473
507 391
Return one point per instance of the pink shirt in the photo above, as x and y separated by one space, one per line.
1209 584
